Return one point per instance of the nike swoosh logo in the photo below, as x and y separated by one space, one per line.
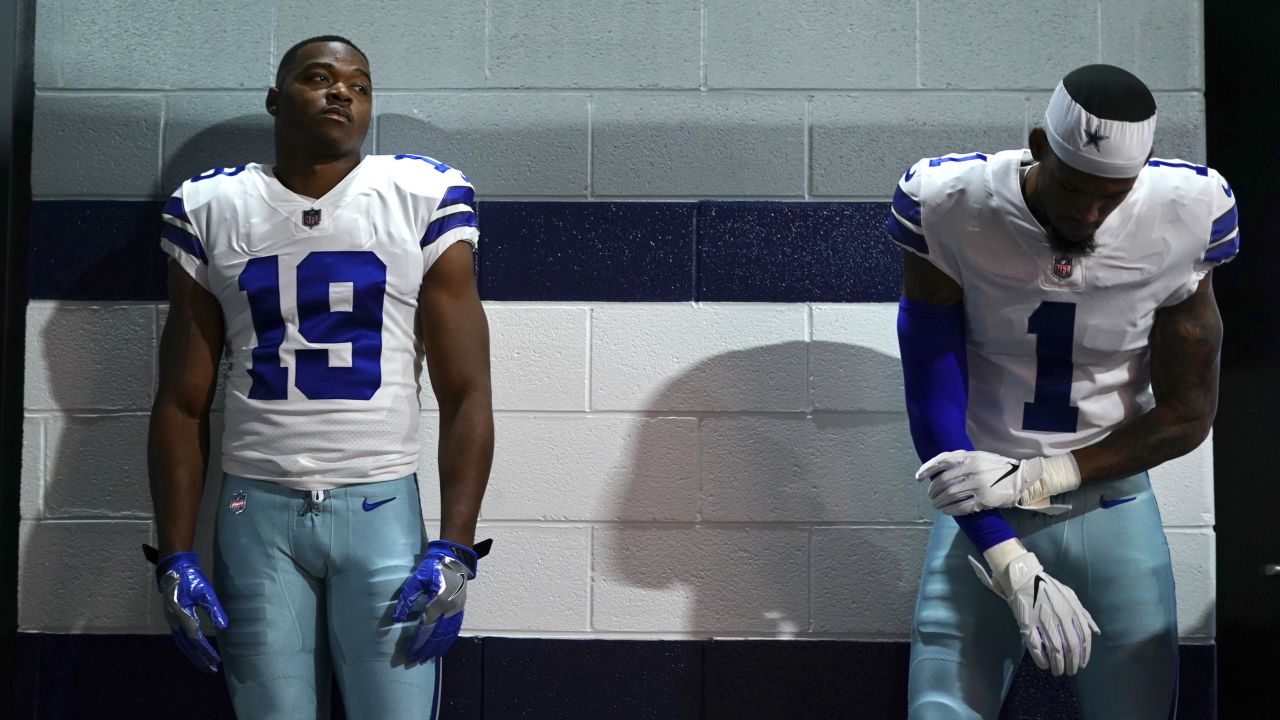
1227 189
1013 468
1106 502
911 172
1035 590
374 506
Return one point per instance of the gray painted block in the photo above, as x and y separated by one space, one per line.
48 49
698 145
999 44
1160 42
89 358
409 43
811 44
153 44
507 144
1180 124
862 143
96 467
31 492
846 600
214 130
96 145
607 43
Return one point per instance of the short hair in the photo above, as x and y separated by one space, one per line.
286 62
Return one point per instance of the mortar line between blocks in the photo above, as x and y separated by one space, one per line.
591 322
808 356
1099 28
591 561
918 82
488 19
590 146
809 625
808 148
164 123
702 45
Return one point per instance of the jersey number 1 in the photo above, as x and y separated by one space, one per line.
318 323
1053 324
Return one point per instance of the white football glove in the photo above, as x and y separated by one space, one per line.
1057 629
968 481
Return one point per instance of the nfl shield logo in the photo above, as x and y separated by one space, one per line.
1062 267
238 500
310 218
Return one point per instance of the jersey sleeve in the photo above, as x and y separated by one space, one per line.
1224 232
180 240
451 219
907 223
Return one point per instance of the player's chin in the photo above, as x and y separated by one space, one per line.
1072 244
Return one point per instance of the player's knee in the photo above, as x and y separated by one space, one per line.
938 707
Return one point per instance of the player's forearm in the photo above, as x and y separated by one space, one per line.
465 457
1143 443
177 455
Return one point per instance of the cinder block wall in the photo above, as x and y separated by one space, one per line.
664 470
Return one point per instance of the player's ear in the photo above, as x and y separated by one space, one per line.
273 101
1037 140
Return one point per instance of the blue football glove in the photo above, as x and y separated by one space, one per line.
183 587
442 577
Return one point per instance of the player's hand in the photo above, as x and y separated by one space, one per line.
969 481
1057 629
441 578
183 588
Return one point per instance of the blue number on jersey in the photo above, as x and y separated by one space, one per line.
1053 324
430 161
1198 169
318 323
229 172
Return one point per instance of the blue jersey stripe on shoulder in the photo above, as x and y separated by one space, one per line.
906 206
185 241
963 158
1224 225
447 223
1224 252
905 236
1199 169
174 207
459 194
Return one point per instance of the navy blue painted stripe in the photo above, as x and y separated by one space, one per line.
1224 225
1223 252
907 206
458 194
184 241
445 224
905 236
176 208
553 251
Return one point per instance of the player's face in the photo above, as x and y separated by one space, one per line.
327 99
1077 204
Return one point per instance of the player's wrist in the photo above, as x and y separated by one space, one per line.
1059 474
1000 555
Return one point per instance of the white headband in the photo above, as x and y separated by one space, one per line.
1106 148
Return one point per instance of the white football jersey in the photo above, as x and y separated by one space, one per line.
1058 350
320 299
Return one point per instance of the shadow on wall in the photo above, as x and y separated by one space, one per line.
791 523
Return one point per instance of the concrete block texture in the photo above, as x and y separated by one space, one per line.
994 44
853 358
705 580
537 579
507 144
1160 42
1184 488
1180 124
409 44
80 356
49 51
209 130
863 143
865 579
96 466
106 554
161 44
31 491
698 145
96 145
610 43
580 467
709 357
827 468
1195 575
811 44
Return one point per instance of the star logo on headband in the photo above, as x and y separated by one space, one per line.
1093 136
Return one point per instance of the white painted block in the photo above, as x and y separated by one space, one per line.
865 579
538 358
96 466
828 468
853 360
80 356
84 577
709 357
535 580
1195 575
31 493
1184 487
704 580
581 467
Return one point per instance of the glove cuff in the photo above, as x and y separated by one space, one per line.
169 562
1060 474
464 554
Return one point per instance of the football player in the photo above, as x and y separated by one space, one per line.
1059 337
326 278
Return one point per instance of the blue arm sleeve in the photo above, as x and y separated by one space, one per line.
935 375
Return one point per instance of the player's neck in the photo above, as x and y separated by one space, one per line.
314 178
1030 197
